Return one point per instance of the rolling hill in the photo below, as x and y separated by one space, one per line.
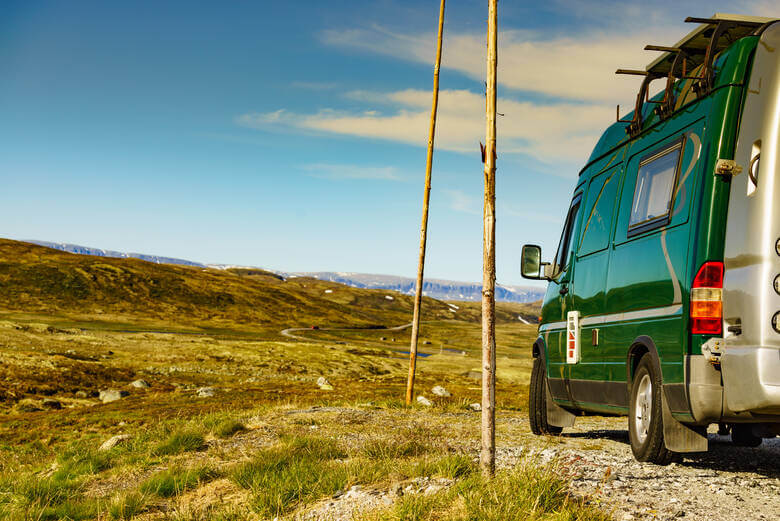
41 280
437 288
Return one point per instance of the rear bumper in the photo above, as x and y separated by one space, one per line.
751 379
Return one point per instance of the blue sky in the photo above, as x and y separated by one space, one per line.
291 135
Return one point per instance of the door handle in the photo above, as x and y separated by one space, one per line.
564 289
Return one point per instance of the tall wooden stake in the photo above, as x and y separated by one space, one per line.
487 457
424 227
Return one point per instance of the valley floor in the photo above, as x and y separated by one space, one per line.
234 425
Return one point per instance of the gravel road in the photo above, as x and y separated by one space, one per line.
726 483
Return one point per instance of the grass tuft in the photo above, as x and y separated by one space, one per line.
181 441
228 428
527 492
300 469
176 480
125 506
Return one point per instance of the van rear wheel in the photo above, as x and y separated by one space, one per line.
645 420
537 400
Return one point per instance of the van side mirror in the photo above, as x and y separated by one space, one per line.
531 265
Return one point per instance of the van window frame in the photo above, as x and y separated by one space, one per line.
619 171
564 245
661 220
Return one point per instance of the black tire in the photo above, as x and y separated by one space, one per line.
647 445
537 400
742 435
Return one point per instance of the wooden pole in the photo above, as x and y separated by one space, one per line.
424 227
487 457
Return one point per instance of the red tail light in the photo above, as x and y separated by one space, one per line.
707 300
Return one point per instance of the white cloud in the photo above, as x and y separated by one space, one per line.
335 171
560 133
460 201
576 68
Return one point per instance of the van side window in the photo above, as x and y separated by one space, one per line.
598 211
655 182
564 247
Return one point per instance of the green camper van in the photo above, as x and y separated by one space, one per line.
663 300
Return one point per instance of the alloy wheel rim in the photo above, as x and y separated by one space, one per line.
644 405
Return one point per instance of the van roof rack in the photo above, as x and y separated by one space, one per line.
713 34
697 49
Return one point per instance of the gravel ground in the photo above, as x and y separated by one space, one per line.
727 482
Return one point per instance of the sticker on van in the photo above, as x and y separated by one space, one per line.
572 337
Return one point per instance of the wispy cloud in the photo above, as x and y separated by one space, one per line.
574 68
551 133
340 172
460 201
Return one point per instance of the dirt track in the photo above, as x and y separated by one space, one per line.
726 483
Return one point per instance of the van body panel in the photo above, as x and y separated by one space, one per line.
751 359
631 269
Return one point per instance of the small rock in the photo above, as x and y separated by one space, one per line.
440 391
324 384
81 394
27 406
205 392
383 338
111 395
426 342
432 489
475 407
50 403
112 442
422 400
140 384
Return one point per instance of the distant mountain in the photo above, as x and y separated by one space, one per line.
86 250
435 288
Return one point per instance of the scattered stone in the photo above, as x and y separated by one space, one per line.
324 384
51 403
353 492
440 391
140 384
475 406
113 441
81 394
27 406
111 395
422 400
205 392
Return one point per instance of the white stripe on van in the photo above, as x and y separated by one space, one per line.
666 311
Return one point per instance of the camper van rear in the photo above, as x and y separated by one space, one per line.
661 295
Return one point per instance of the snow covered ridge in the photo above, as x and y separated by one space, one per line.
436 288
86 250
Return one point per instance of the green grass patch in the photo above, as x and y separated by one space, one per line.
395 448
227 428
300 469
528 492
303 469
176 480
181 441
125 506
